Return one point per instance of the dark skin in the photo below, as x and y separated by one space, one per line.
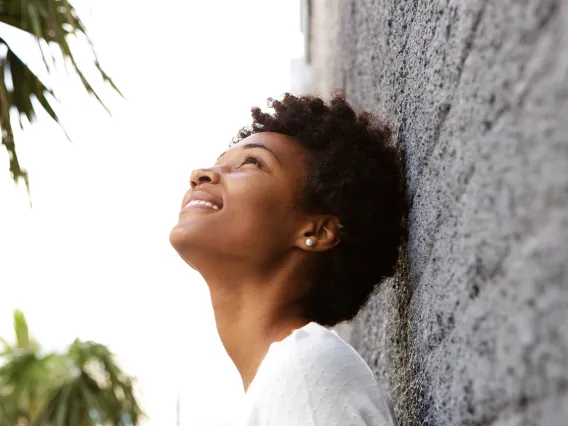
249 243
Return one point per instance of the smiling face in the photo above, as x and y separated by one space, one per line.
245 207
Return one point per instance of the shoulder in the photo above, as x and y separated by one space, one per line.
314 373
314 352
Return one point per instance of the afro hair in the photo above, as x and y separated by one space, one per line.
354 171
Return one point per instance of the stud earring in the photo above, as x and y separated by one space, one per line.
309 242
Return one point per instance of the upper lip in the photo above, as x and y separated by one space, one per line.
203 196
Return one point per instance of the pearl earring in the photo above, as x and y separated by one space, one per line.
309 242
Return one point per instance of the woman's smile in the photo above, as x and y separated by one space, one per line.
201 200
198 204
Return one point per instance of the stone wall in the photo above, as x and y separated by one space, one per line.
474 328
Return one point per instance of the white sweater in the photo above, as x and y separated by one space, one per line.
314 378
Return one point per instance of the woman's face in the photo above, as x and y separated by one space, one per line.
244 207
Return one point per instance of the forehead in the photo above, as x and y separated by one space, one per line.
286 148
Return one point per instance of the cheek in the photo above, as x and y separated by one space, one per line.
262 211
259 213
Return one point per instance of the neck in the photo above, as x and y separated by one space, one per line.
252 311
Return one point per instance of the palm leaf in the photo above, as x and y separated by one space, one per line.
82 387
22 330
7 348
7 415
51 22
99 393
117 388
23 379
6 128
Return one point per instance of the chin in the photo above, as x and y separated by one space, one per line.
189 243
179 238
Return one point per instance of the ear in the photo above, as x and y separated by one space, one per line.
320 233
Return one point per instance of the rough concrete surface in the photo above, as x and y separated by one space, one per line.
474 328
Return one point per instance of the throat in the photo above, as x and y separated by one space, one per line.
255 307
248 325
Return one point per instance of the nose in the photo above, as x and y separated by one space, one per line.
201 176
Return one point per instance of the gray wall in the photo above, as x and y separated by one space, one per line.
474 329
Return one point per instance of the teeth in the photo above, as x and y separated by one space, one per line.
203 203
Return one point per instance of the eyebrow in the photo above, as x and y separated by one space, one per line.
256 145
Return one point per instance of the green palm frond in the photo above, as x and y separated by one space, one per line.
23 340
6 348
115 388
96 391
52 23
7 415
81 387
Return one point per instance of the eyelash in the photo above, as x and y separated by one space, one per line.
249 158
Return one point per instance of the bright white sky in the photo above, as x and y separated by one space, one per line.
92 258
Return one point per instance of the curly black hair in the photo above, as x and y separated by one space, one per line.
354 171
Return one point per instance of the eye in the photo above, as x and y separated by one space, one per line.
249 159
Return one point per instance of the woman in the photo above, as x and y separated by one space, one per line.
292 229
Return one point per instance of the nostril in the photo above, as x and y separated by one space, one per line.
201 176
